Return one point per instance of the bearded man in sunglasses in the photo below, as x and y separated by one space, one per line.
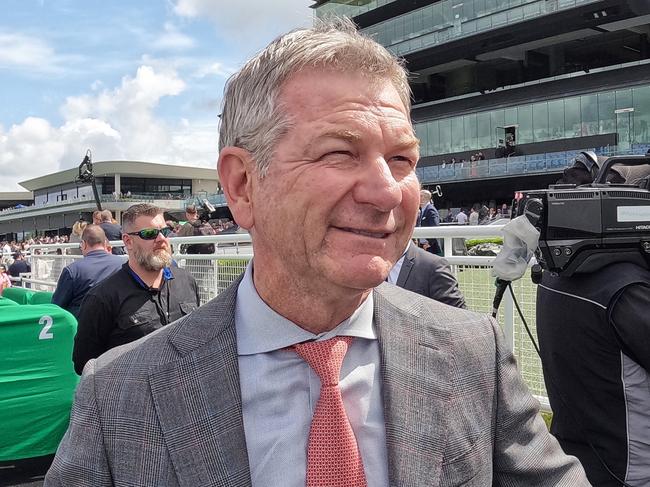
143 296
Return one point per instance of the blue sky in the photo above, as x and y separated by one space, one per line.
136 80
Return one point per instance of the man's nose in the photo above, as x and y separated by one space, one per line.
377 186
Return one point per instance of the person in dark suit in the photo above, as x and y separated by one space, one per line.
428 216
112 230
427 274
79 277
309 369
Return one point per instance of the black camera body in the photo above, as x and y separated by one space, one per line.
583 228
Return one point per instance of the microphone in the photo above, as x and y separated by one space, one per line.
501 285
519 241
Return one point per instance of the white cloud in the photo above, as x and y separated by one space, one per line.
19 51
213 69
28 150
173 39
252 21
118 123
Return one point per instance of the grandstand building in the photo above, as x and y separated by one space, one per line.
57 200
527 83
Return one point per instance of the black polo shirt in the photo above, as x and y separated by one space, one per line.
122 308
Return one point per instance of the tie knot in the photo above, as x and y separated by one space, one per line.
325 357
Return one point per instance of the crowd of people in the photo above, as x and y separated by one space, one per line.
477 214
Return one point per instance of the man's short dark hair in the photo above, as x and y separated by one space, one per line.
17 255
135 211
191 209
93 235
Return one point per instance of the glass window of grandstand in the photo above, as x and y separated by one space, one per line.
445 19
155 187
347 8
624 113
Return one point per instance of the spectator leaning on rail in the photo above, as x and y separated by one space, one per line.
112 230
316 134
79 277
142 296
594 338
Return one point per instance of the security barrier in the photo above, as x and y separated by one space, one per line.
37 379
18 294
7 302
41 297
232 252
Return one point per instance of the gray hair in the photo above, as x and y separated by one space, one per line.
252 118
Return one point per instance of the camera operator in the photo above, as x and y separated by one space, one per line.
594 337
197 225
194 227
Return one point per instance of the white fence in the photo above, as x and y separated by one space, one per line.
232 252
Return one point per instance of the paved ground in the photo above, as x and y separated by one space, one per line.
24 473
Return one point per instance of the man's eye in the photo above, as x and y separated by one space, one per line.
403 159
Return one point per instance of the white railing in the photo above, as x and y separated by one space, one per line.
216 271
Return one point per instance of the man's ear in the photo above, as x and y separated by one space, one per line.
125 238
236 173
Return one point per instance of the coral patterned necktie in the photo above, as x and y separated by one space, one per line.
333 458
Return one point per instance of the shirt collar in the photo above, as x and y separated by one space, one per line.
167 275
260 329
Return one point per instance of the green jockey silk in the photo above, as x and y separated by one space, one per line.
37 378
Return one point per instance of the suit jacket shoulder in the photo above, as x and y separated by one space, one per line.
451 387
429 275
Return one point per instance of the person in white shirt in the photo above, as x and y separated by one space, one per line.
461 218
473 217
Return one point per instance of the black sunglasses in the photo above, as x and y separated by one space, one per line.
151 233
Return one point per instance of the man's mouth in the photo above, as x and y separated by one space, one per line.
366 233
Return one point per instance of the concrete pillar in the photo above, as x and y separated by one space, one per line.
118 187
118 216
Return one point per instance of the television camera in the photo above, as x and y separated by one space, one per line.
206 211
585 227
86 176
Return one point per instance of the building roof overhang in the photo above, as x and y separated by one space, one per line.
16 196
126 169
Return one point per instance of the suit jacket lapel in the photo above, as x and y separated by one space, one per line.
415 365
407 265
198 400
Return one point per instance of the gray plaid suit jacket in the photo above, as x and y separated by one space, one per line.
166 410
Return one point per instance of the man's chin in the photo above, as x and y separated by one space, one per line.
366 273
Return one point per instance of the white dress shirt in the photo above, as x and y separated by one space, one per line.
280 390
394 272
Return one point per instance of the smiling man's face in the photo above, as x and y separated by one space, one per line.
340 198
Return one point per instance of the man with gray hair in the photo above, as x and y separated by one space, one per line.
142 296
310 369
79 277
